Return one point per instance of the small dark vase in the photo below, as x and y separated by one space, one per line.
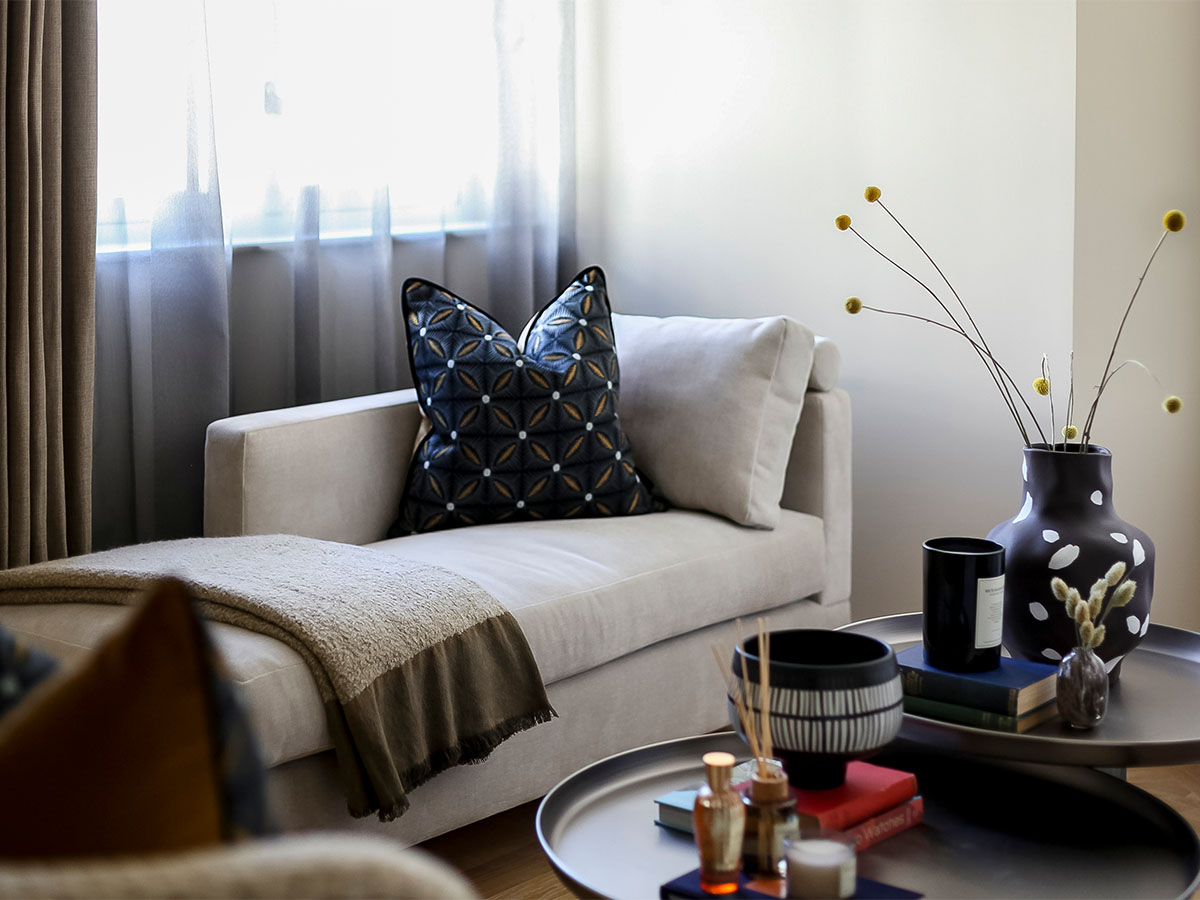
1082 688
1067 527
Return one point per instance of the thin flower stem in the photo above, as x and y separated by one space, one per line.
1070 395
1012 409
1087 430
932 262
1050 382
984 354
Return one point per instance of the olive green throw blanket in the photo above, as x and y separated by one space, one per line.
419 669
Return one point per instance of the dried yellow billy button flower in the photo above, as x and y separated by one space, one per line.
1172 404
1174 220
872 193
1042 386
853 305
842 222
1070 432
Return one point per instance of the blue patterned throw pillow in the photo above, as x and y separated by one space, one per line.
519 429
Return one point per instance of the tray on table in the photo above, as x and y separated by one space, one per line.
993 828
1153 716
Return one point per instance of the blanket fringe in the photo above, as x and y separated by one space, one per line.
470 750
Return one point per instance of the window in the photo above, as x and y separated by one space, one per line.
268 100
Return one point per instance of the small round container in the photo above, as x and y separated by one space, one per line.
820 866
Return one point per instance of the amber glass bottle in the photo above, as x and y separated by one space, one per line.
770 817
719 819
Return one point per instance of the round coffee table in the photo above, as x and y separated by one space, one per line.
992 828
1153 716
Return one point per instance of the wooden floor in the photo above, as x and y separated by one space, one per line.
502 858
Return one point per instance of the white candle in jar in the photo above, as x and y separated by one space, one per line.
820 868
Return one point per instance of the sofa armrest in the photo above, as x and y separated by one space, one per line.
333 471
818 481
312 866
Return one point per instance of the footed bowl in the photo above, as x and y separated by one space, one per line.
834 696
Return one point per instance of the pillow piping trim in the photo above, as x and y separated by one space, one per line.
762 416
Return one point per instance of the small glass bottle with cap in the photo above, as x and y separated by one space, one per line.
719 821
771 818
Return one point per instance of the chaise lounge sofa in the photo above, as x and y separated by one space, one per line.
619 612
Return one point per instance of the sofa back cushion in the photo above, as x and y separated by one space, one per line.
711 406
518 429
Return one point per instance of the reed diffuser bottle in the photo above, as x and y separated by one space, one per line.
719 821
771 817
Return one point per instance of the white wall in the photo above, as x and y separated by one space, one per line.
1138 155
719 141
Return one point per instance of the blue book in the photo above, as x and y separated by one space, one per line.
1016 688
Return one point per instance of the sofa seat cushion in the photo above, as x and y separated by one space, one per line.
277 690
585 592
591 590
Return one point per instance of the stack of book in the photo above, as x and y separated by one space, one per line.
874 803
1015 697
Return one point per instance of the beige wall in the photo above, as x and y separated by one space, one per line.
718 142
1137 155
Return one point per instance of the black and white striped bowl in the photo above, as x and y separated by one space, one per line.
835 696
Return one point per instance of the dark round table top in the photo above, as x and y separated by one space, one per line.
1153 716
992 828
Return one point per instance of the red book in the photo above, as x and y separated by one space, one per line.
893 821
868 791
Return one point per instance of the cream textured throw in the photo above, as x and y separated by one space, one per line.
420 669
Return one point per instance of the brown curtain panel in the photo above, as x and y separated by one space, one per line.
47 277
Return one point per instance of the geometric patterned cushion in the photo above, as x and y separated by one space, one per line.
519 430
21 667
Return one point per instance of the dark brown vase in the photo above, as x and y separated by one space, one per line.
1067 527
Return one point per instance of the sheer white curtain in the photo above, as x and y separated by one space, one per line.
270 173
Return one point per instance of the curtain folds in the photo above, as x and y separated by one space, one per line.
48 198
254 241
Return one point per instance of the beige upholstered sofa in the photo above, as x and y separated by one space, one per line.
619 613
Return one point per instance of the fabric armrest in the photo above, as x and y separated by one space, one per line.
818 481
312 866
333 471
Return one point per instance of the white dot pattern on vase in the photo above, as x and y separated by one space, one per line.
1064 556
588 427
618 456
1133 624
522 435
555 396
1145 625
1052 654
583 322
1112 663
1038 611
462 308
520 363
449 507
1139 552
487 337
449 364
1119 538
486 399
1049 535
610 385
1026 509
588 498
426 465
556 467
1024 469
1097 497
454 435
589 288
423 331
576 356
520 504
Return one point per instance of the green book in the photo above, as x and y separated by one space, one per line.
979 718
